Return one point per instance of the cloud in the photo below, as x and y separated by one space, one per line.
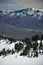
18 4
40 0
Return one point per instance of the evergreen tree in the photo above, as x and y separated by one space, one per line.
42 37
8 51
13 51
36 37
35 46
36 54
28 41
41 46
4 52
18 47
25 51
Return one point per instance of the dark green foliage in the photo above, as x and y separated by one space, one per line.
0 53
25 51
1 37
35 46
13 51
36 37
28 47
4 52
21 54
36 54
23 40
8 51
7 37
18 47
42 37
28 41
11 39
41 46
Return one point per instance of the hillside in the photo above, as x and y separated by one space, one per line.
21 23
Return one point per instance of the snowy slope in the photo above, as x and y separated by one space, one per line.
16 59
13 60
6 44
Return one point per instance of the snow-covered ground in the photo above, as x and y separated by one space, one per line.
16 59
20 60
6 44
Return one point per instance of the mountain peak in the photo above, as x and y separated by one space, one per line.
30 11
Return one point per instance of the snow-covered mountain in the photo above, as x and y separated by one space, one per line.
29 11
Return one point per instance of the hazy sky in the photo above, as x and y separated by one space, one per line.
19 4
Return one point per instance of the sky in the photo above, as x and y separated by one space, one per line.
20 4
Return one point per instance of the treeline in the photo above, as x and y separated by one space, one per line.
33 38
5 52
20 46
8 37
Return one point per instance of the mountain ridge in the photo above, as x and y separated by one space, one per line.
23 11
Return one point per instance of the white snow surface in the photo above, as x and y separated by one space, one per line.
20 60
6 44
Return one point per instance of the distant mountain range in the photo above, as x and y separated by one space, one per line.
22 22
